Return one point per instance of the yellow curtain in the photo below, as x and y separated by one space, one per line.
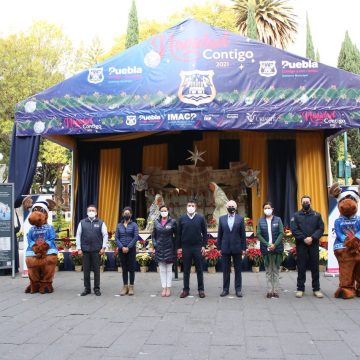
310 171
253 151
155 156
109 187
210 144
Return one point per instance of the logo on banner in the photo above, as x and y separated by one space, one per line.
131 120
250 117
197 87
267 68
96 75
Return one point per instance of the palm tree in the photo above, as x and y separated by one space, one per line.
275 20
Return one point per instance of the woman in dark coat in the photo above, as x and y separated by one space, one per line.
163 238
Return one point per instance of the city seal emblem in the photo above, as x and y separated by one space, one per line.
267 68
95 75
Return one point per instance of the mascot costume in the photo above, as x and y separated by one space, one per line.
41 254
347 242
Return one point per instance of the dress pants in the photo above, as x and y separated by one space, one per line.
91 261
190 253
226 263
303 253
128 264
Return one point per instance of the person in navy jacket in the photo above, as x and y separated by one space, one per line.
231 242
126 236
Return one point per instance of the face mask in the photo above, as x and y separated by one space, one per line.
231 210
164 214
268 212
127 217
306 206
91 214
190 209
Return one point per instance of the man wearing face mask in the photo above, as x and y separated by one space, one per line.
91 241
192 239
231 242
307 227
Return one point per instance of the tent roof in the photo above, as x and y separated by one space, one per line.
195 76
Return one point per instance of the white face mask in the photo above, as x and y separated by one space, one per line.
268 212
190 210
164 214
91 214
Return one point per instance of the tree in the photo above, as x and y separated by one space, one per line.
275 20
93 54
132 33
349 56
317 56
53 159
29 63
251 30
349 60
215 14
310 52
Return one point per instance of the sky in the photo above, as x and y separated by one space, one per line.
83 20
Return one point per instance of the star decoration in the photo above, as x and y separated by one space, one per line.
196 155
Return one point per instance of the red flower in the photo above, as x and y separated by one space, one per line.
212 256
212 242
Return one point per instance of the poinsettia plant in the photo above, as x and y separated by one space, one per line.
66 242
76 258
254 255
212 256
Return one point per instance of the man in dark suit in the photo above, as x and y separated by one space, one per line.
231 242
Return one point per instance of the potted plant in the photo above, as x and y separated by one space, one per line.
323 258
141 223
212 257
112 242
143 259
255 257
60 260
103 259
76 260
179 257
117 260
66 243
249 224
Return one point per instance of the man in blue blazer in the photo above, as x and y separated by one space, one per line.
231 242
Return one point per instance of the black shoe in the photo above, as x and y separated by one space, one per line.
184 294
85 292
97 292
239 294
201 294
224 293
269 295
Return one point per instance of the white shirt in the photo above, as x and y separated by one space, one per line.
268 220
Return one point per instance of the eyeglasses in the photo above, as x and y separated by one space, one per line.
39 209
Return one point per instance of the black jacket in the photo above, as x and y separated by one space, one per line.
192 232
234 241
304 224
163 238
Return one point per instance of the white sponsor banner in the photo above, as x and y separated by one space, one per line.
333 266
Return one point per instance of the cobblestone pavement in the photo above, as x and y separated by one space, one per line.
64 325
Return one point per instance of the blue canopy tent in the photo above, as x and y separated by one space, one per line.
178 85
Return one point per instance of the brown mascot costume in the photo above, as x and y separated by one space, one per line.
347 242
41 253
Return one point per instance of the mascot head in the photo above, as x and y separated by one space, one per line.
39 210
347 200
